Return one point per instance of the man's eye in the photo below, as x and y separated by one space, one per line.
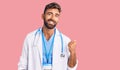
49 13
57 15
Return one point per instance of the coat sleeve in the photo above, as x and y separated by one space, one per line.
23 63
73 68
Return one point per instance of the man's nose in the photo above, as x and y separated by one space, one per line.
53 17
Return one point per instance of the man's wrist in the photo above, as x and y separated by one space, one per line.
73 53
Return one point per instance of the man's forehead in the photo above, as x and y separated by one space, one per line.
53 10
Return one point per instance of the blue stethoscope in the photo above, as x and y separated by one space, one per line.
36 41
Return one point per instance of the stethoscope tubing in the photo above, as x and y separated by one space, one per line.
62 49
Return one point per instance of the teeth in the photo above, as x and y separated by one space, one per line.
51 22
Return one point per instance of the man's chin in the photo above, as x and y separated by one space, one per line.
50 27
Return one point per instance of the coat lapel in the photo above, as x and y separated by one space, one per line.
56 51
39 45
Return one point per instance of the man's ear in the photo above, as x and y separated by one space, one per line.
42 16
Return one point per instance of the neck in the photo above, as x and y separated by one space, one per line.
47 32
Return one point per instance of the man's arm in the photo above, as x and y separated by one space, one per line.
72 58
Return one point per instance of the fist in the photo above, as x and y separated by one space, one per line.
72 46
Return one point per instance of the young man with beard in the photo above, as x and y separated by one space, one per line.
47 48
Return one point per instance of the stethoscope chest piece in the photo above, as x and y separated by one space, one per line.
62 55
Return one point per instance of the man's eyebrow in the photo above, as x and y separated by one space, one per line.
49 12
57 13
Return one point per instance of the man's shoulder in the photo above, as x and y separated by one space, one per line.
31 34
66 38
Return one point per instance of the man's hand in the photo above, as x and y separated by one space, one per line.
72 46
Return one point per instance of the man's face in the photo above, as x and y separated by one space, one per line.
51 18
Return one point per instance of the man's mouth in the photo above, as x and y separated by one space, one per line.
51 22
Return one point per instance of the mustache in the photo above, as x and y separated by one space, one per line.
51 20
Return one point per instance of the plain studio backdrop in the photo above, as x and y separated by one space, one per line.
95 24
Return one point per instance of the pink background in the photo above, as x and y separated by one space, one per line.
95 24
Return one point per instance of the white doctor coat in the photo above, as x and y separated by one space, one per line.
31 57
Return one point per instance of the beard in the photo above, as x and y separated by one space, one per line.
50 26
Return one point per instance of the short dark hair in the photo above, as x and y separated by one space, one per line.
52 5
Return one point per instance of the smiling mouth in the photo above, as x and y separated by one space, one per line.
51 23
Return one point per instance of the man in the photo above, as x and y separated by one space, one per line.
47 48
